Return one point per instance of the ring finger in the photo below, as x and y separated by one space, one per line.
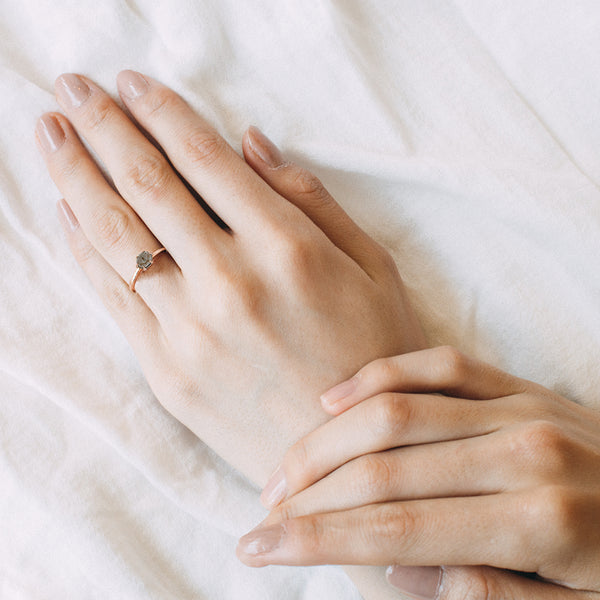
110 224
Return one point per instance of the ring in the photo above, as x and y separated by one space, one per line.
144 261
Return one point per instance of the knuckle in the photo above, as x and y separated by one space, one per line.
203 148
237 295
375 476
285 512
98 113
477 586
544 446
82 250
113 227
556 511
382 371
394 525
390 415
117 298
295 259
160 100
298 461
454 365
69 169
308 187
148 175
308 534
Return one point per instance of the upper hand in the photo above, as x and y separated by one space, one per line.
237 326
498 471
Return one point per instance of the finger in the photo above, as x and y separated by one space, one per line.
108 222
477 583
443 370
514 450
421 532
201 155
379 423
140 172
305 191
132 315
471 467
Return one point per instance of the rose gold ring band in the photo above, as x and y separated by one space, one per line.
144 261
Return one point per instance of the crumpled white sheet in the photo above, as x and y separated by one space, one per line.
463 135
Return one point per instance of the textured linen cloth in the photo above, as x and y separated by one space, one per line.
463 135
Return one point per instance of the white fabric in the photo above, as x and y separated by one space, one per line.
462 134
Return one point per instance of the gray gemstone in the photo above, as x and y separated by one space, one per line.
144 260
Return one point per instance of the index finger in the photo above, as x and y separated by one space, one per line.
442 369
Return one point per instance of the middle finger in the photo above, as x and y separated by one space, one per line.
470 467
376 424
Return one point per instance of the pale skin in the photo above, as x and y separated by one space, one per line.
239 330
438 459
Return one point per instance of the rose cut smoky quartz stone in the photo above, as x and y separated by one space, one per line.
144 260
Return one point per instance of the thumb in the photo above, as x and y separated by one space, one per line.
476 583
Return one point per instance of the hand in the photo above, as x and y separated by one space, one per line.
235 327
502 472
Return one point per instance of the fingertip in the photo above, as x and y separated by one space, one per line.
276 489
334 408
246 147
334 399
52 130
263 149
132 85
59 78
260 546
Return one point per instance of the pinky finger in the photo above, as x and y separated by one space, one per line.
132 315
442 370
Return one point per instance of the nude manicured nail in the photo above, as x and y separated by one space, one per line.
72 90
275 490
420 583
262 541
339 392
264 148
66 215
49 133
131 84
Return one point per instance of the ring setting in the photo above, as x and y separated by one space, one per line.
144 260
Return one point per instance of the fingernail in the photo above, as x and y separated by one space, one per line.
264 148
420 583
131 84
262 541
275 490
49 133
339 392
72 90
66 216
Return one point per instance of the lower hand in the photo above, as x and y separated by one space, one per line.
236 327
498 471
